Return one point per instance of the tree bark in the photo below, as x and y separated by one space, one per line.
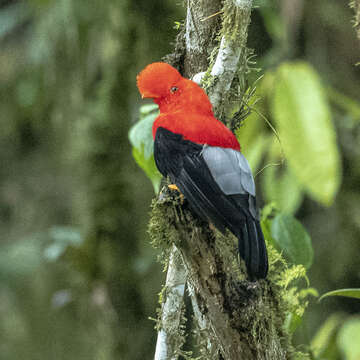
169 341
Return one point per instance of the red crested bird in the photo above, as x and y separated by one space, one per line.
202 157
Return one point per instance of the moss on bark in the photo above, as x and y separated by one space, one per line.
245 319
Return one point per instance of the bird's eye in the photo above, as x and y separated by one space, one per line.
173 89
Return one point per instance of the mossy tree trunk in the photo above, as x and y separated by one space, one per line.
237 319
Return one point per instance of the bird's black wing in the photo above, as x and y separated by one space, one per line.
209 177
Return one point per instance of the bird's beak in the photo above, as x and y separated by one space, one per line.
148 95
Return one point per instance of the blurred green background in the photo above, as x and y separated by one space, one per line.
78 277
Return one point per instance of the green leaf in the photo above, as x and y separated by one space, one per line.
292 239
282 187
348 339
352 293
149 167
292 322
255 153
323 342
147 109
266 213
140 136
279 184
266 229
302 116
252 134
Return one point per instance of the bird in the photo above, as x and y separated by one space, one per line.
202 159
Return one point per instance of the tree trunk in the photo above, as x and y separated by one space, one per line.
168 341
237 319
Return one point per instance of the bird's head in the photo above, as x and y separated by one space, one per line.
165 85
158 80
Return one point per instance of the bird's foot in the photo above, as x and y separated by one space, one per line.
173 187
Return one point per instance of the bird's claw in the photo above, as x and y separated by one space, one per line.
173 187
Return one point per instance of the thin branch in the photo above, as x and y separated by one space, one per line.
212 15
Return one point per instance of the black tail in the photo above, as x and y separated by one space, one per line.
252 248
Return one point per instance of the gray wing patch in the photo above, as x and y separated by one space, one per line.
230 170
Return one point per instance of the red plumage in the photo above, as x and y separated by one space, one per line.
184 107
198 128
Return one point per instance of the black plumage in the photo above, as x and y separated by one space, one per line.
183 161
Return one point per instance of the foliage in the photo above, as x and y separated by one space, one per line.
352 293
302 116
140 136
290 237
323 344
306 138
337 338
348 339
